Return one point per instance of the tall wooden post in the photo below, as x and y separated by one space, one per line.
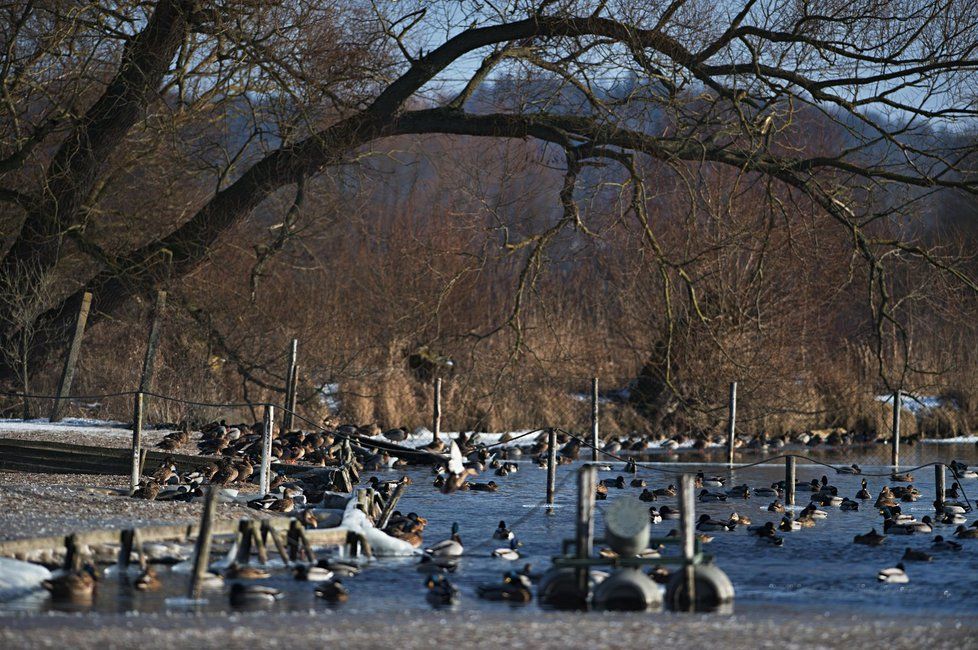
264 475
939 486
895 449
789 481
202 548
731 422
586 482
287 418
551 465
687 525
436 414
137 441
153 344
68 374
594 419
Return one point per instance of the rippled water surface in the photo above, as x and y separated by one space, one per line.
818 570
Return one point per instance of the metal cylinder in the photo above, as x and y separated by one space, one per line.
551 465
626 526
594 419
713 589
627 590
731 422
789 481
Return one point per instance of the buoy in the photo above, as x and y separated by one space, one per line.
558 588
627 590
712 586
626 523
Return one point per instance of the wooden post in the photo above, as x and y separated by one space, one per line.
292 540
594 419
939 485
293 394
137 442
586 480
202 549
259 545
731 422
789 481
72 553
687 525
287 419
264 475
551 465
125 549
244 538
895 449
153 344
385 515
137 545
436 414
68 374
267 528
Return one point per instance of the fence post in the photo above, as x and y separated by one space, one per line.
939 486
287 419
153 344
264 478
895 451
687 526
436 414
789 481
586 478
551 465
68 374
594 419
137 442
202 548
731 422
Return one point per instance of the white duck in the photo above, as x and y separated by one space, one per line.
894 575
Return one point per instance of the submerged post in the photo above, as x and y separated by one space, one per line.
687 526
202 548
436 414
731 422
789 481
68 374
264 475
287 419
137 442
939 486
895 450
594 419
551 465
586 480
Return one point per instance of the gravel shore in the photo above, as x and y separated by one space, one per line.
322 627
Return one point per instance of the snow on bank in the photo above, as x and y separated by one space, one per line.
18 578
76 425
917 404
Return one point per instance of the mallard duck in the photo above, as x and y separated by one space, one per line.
600 492
638 483
863 493
451 547
706 523
617 483
457 471
765 530
72 586
332 591
711 481
952 492
668 513
776 506
668 491
739 519
901 478
941 544
441 592
491 486
429 564
823 499
647 495
910 555
502 532
788 524
811 511
311 573
515 588
654 516
848 505
925 525
852 469
893 575
891 527
243 595
706 496
872 538
952 519
966 533
147 580
508 553
766 492
245 572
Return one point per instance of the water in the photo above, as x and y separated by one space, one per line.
819 570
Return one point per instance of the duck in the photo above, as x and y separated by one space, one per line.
706 523
966 533
910 555
901 478
863 493
893 575
739 492
952 519
668 491
508 553
891 527
243 595
147 580
451 547
654 516
631 467
72 586
788 525
848 505
711 481
941 544
872 538
766 492
311 573
668 513
739 519
638 483
706 496
246 572
441 592
491 486
765 530
811 511
852 469
925 525
886 499
429 564
502 532
332 591
618 483
776 506
600 492
647 495
952 491
515 588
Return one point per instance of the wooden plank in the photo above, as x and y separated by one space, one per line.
68 373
